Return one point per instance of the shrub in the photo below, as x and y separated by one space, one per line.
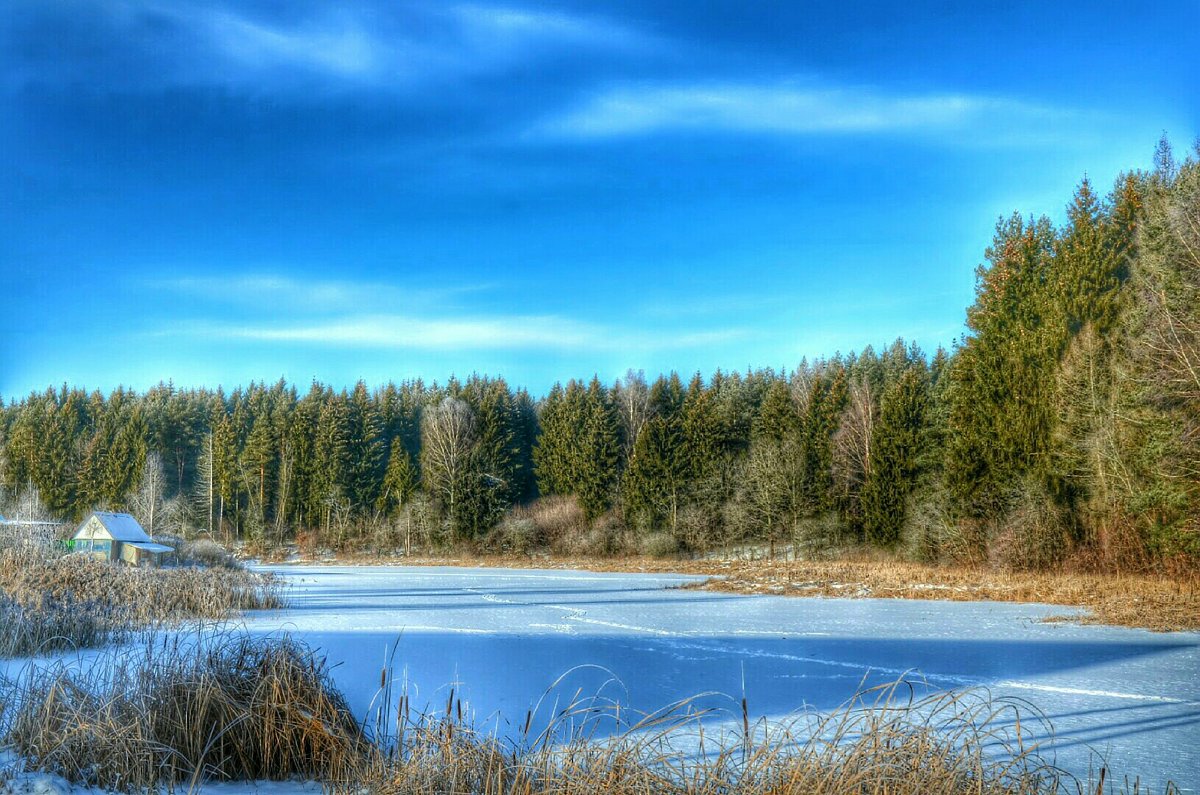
1033 533
659 545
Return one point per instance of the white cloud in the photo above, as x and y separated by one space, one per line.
392 46
779 108
411 332
286 293
284 310
339 46
471 333
492 26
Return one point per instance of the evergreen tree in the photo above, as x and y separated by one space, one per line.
896 453
598 451
365 448
400 480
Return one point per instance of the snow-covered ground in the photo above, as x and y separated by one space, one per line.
500 638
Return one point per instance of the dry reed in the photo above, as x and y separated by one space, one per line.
184 709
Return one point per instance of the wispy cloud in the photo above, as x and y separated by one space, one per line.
477 333
431 333
386 46
339 46
288 311
461 333
291 294
788 108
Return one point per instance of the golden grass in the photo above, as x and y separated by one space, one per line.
185 709
1162 603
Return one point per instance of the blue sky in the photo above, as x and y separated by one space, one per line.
215 193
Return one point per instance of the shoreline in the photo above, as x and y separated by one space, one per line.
1141 601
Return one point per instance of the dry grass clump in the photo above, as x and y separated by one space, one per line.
208 706
51 600
54 625
878 743
199 552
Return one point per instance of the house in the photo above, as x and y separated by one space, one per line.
117 537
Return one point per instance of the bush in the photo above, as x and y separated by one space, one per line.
1033 534
515 536
659 545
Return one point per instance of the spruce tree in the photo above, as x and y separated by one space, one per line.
896 452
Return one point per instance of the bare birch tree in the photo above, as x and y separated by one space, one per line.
448 434
147 502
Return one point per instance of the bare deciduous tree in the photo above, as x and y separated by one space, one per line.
448 433
147 502
633 403
852 442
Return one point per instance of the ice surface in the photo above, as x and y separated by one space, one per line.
501 637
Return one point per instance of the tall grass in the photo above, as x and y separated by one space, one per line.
881 742
205 706
51 600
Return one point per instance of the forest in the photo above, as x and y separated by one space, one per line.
1063 428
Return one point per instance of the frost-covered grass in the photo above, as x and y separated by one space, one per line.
50 600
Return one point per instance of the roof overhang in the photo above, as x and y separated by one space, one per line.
149 547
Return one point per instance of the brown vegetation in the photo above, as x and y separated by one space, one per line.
208 706
881 742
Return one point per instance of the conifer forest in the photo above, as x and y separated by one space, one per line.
1064 426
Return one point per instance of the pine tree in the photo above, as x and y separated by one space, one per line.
400 480
598 450
365 448
896 453
1001 415
331 459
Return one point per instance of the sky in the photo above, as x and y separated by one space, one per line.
216 193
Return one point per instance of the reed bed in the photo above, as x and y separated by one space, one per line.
50 600
884 741
55 626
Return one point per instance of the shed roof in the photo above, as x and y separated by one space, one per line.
121 526
151 547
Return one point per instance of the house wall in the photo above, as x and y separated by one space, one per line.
93 528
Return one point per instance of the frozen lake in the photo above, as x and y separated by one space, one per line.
501 637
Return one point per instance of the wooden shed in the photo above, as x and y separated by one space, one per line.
118 537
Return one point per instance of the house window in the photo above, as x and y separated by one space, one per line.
102 546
